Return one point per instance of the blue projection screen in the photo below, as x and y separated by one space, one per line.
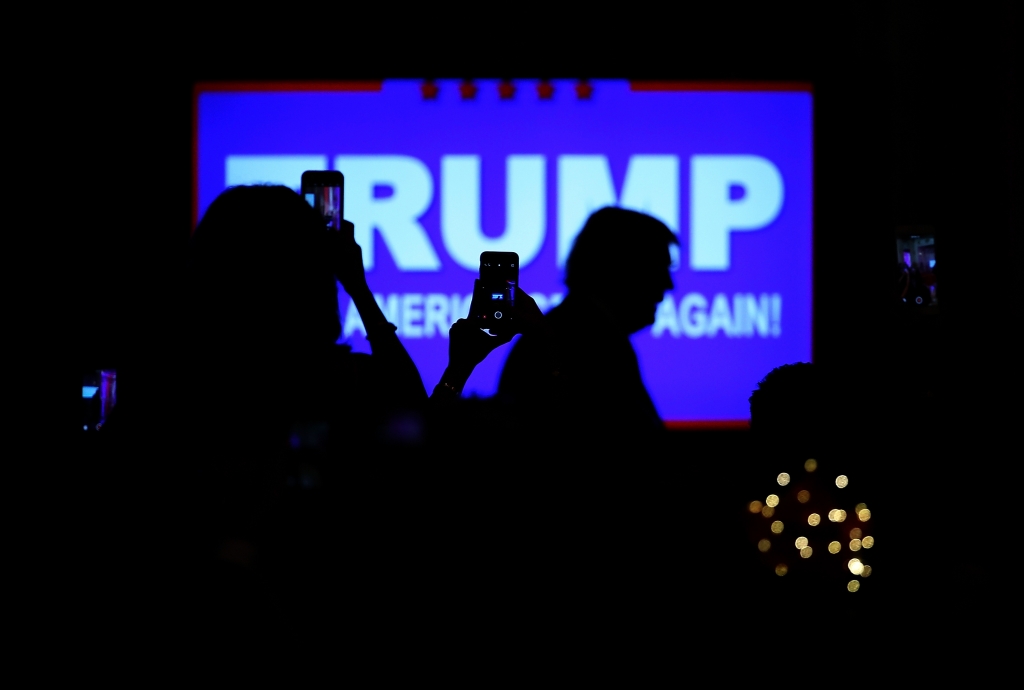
433 179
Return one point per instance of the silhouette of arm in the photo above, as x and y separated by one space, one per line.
399 373
468 345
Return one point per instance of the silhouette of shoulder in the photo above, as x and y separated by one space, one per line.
577 370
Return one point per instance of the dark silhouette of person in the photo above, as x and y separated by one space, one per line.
287 431
576 376
592 513
278 421
263 318
788 411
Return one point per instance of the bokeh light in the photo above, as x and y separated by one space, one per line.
813 519
852 586
767 511
781 569
865 571
806 552
836 515
772 500
855 566
855 533
860 507
804 496
777 527
855 545
867 542
864 515
801 542
811 465
754 507
783 479
764 545
842 481
835 547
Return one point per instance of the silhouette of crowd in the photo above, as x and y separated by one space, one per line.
308 482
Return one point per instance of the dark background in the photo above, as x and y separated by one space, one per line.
917 123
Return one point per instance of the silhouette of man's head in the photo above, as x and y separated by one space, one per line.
621 259
258 273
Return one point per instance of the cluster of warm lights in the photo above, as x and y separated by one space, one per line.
857 539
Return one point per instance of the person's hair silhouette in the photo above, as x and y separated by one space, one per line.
577 376
790 404
621 260
259 274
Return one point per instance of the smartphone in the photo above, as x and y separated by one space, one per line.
917 269
324 190
496 293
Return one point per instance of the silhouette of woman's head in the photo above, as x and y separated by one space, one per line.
791 405
622 258
258 274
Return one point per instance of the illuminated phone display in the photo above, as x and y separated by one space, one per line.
324 190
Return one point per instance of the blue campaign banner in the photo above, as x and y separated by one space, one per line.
433 177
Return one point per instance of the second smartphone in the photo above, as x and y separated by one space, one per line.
496 292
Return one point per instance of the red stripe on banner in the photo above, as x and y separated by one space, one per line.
721 86
721 425
205 87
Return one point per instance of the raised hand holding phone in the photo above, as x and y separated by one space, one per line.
324 190
501 307
468 345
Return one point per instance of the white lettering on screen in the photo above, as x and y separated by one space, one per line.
745 316
395 217
714 214
418 315
728 193
525 209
